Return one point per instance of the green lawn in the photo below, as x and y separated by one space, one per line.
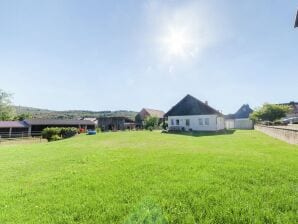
129 177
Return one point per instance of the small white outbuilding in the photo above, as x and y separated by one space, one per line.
240 120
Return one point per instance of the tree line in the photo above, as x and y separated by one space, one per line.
268 112
10 112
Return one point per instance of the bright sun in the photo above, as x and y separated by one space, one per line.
177 42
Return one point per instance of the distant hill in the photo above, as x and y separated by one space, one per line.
71 114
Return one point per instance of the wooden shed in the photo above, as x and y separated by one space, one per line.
115 123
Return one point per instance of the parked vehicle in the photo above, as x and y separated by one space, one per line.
292 120
91 132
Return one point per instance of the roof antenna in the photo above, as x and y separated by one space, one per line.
296 22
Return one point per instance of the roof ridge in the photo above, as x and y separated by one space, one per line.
203 103
199 107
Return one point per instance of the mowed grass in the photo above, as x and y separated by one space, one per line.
135 177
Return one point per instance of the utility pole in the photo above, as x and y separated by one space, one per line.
296 22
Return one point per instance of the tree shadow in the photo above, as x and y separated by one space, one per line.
201 133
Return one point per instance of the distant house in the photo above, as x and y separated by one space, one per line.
293 109
93 119
115 123
34 127
240 120
144 113
192 114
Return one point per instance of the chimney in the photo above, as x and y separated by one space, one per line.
206 102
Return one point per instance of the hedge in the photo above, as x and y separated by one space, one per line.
56 133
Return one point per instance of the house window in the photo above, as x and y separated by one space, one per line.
187 122
172 121
200 121
177 122
206 121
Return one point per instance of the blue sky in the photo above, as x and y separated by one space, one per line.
109 55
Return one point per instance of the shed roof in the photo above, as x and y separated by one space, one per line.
190 105
13 124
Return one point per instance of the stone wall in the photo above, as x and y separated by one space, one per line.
282 133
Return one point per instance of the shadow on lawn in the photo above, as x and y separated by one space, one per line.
200 133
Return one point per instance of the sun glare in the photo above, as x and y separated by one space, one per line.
177 42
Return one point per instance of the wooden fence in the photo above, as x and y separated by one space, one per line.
282 133
20 137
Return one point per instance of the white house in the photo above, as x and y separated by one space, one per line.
192 114
240 120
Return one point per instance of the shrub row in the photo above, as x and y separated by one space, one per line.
56 133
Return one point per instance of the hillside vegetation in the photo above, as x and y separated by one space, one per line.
149 177
71 114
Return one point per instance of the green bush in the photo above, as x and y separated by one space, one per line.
277 123
68 132
151 122
164 125
55 133
55 138
48 133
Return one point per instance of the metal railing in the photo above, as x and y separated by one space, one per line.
24 140
23 134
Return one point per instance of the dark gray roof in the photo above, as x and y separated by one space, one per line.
13 124
58 122
126 119
243 112
189 105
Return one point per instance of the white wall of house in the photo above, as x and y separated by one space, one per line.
197 122
243 123
230 123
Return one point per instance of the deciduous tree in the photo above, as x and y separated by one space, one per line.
270 112
6 110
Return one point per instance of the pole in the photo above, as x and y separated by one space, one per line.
296 22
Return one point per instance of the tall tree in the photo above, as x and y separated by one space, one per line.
23 116
6 110
270 112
